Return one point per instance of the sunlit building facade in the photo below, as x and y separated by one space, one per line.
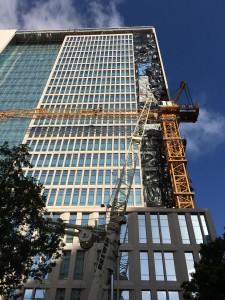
79 160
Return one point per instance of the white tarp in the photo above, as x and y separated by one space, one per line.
144 89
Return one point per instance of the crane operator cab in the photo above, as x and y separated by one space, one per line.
187 113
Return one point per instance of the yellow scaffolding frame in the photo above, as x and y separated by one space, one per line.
175 153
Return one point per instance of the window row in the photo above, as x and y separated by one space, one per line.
92 67
98 98
111 37
160 228
107 57
92 81
82 89
112 100
96 48
88 197
75 294
80 160
164 267
90 73
78 145
97 53
159 232
199 226
76 117
72 131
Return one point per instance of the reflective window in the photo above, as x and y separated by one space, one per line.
170 295
81 160
72 220
189 263
67 197
71 178
86 177
124 232
138 197
144 265
102 219
75 294
161 295
57 177
164 266
99 197
123 265
83 197
204 226
197 229
142 229
160 229
93 177
64 270
108 177
52 197
28 294
78 177
75 196
60 197
74 160
124 295
39 294
183 229
169 266
159 271
91 197
79 265
145 295
173 295
85 218
100 177
95 160
60 294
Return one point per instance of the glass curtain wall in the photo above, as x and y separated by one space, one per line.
24 70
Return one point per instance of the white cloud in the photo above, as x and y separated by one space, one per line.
58 14
205 135
105 16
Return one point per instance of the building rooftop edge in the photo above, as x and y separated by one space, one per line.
107 29
43 36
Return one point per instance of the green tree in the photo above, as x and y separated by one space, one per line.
208 280
29 242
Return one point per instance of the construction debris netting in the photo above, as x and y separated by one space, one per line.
156 179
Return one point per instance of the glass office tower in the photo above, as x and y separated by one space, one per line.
79 160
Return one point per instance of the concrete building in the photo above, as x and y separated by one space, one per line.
79 160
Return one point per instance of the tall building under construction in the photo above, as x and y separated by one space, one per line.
93 106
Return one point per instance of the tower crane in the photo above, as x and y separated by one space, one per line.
169 114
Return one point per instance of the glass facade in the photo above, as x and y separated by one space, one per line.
24 70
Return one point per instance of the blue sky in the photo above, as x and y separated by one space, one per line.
192 43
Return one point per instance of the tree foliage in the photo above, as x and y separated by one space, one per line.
208 280
29 242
